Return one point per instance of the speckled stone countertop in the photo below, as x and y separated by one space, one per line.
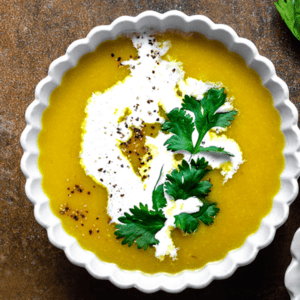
35 32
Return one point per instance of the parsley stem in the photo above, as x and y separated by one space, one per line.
204 130
159 177
200 138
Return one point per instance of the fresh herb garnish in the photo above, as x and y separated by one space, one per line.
182 126
190 222
143 224
158 196
290 13
185 182
140 227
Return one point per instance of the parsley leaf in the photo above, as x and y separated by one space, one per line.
290 13
142 224
181 124
297 16
186 222
185 182
190 222
205 114
158 198
140 227
207 213
213 149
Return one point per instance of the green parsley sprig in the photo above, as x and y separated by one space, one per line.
185 182
182 126
189 222
141 226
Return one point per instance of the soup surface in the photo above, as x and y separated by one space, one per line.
246 198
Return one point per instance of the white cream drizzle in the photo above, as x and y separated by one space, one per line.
155 79
173 208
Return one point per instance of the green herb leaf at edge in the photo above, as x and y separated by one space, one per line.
297 17
290 13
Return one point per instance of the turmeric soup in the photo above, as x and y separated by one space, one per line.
161 152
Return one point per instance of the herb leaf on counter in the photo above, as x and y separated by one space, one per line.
290 13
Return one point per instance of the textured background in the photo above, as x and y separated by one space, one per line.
32 34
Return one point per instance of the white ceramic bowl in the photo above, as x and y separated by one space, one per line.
292 275
234 259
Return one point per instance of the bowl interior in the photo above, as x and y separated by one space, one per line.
234 259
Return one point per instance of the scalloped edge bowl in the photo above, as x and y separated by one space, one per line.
292 274
239 257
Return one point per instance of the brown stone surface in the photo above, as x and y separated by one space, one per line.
35 32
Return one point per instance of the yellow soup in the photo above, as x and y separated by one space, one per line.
81 204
